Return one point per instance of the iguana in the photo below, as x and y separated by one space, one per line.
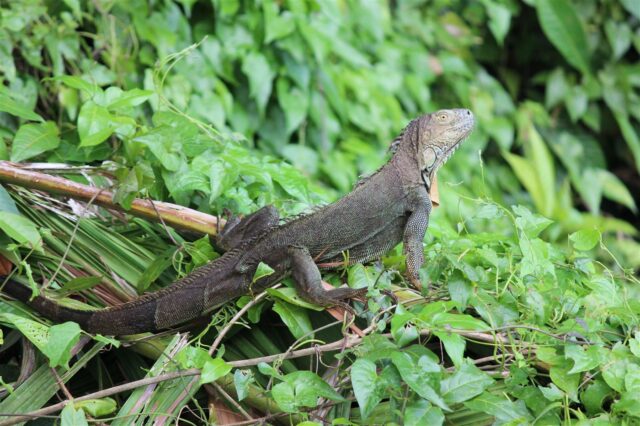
388 207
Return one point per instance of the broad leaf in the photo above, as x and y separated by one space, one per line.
94 124
562 26
62 338
11 106
34 139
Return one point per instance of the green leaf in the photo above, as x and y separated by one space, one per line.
192 357
577 103
499 19
595 395
552 393
562 26
37 333
363 379
276 25
213 369
537 152
74 5
421 412
160 142
294 103
632 7
402 329
619 36
585 239
583 360
421 376
556 89
6 202
242 379
20 229
221 177
12 107
501 408
291 180
302 389
268 370
565 380
258 71
360 276
634 344
34 139
72 417
263 270
62 338
530 224
628 132
615 369
296 319
454 344
459 322
632 379
129 98
614 189
97 407
467 382
78 83
94 124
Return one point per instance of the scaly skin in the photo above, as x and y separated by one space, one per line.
389 207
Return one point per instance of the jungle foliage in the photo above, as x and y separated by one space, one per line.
532 313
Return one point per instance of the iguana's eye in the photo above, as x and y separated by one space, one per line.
442 116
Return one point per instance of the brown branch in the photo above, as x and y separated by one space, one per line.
172 214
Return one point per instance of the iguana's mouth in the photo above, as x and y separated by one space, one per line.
455 147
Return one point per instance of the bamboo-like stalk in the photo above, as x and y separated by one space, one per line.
171 214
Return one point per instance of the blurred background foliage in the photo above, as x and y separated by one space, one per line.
325 86
237 104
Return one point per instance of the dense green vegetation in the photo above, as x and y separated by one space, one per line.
533 307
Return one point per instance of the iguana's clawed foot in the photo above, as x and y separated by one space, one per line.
238 231
337 296
415 283
391 296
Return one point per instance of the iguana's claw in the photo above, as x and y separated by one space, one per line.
390 295
415 283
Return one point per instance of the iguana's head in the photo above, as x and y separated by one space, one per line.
437 136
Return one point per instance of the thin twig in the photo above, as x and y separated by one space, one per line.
351 341
230 400
61 384
232 322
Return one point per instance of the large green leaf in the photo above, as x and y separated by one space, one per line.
258 71
364 379
13 107
20 229
34 139
94 124
562 26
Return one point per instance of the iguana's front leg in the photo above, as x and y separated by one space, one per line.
308 280
237 230
414 232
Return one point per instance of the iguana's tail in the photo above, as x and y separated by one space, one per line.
186 299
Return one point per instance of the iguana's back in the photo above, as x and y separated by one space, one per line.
362 225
